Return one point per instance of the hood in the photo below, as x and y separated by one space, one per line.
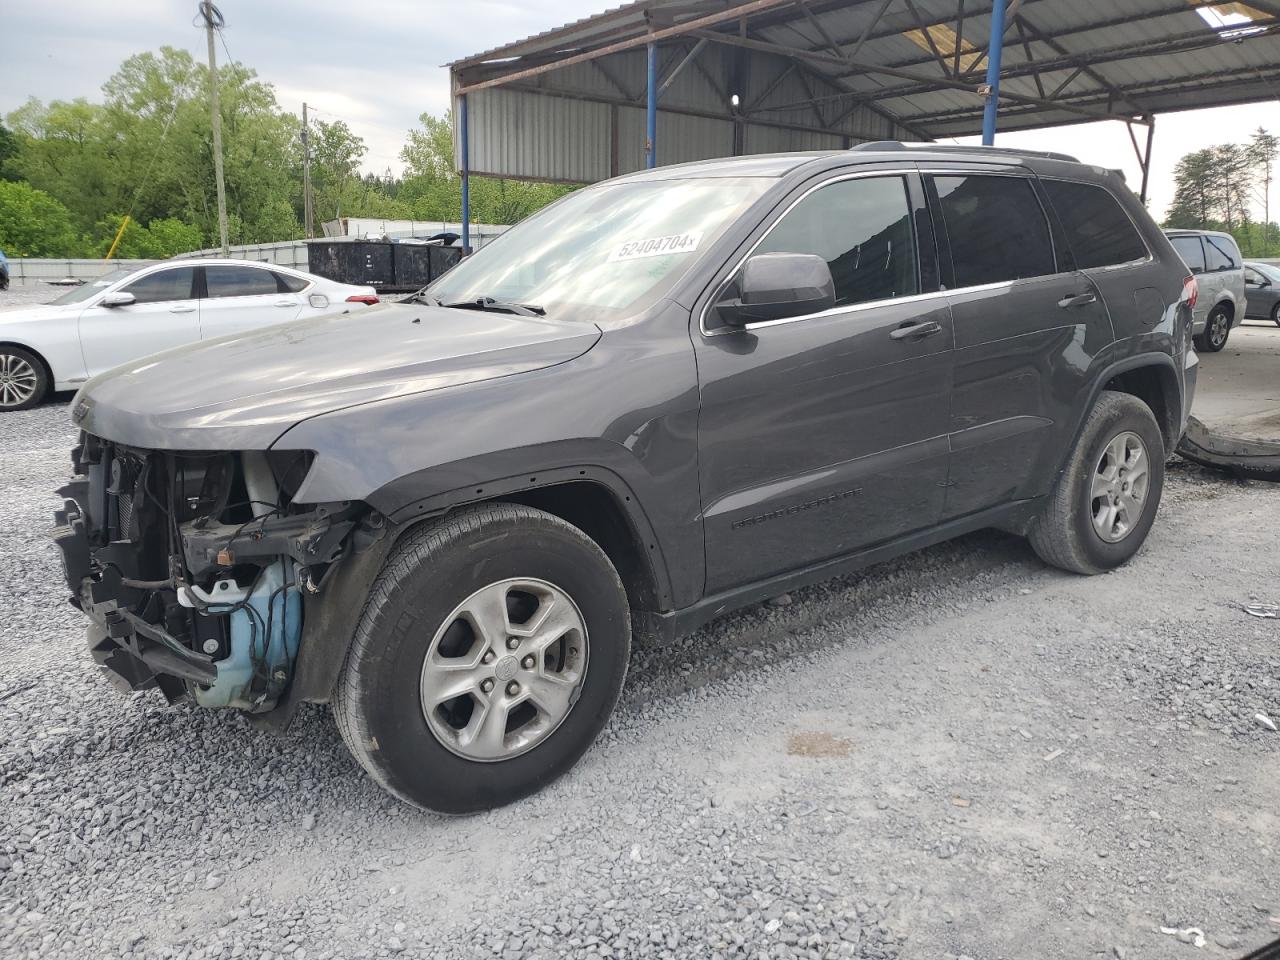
243 391
12 314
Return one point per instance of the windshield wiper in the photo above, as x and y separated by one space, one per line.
421 297
500 306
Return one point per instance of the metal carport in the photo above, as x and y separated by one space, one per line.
676 80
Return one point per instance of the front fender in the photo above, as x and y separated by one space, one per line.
624 414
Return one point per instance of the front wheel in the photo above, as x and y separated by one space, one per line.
23 380
1103 504
1216 330
1275 314
490 653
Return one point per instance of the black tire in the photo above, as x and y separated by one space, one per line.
24 380
1064 534
1217 328
1275 314
435 568
4 281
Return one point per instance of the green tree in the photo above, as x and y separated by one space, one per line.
8 150
34 224
1263 150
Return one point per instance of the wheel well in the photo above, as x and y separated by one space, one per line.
1157 387
594 509
1227 307
48 371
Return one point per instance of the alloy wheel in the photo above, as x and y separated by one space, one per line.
18 380
504 669
1219 325
1121 480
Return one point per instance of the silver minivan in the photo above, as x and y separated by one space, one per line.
1215 262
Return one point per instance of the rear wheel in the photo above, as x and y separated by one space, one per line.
490 654
1275 314
1103 504
23 380
1216 330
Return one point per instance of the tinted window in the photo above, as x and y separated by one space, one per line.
1190 251
163 285
996 228
862 228
229 281
1220 253
288 284
1099 231
1253 276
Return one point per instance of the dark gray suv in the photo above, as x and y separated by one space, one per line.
661 398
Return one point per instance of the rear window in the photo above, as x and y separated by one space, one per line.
288 284
228 281
996 228
1190 251
1099 231
1220 254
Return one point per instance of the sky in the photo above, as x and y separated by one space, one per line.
379 70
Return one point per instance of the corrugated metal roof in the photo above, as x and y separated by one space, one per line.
831 72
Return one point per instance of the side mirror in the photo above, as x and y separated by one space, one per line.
774 286
117 299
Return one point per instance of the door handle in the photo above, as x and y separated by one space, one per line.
916 331
286 303
1078 300
182 309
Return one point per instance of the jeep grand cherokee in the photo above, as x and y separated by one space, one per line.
663 397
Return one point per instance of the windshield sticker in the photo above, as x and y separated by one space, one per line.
656 246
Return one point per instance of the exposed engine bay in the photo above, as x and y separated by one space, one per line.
193 566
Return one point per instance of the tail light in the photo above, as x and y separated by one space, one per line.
1190 291
368 298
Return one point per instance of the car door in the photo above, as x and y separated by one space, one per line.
823 434
1208 286
243 296
1025 329
1222 263
1261 293
164 314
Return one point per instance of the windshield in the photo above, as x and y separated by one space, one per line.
603 249
92 288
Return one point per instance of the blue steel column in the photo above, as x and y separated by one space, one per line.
466 175
994 49
651 118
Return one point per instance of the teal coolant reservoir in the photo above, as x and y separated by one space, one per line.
266 625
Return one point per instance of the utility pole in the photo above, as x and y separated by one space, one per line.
213 19
308 216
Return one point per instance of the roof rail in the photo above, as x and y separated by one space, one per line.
888 145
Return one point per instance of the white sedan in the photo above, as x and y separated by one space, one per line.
127 314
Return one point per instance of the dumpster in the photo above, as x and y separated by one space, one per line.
352 261
389 266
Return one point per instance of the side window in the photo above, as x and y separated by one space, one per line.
1220 254
996 228
862 228
1252 277
1099 231
222 280
288 284
1190 251
163 285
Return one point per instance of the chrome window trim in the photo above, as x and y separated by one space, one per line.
870 305
901 173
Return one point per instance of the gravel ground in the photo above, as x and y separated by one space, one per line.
962 753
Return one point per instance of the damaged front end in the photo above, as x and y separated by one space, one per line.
193 566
